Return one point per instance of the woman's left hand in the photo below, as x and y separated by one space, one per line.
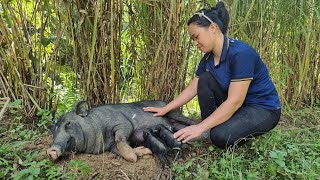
188 133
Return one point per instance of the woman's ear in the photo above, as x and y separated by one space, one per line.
214 27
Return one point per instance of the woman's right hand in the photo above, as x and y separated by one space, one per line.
159 111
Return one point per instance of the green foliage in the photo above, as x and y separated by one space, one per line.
45 118
183 170
16 104
18 163
21 133
65 92
31 171
55 172
13 158
78 168
280 154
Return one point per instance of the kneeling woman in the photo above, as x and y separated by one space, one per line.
236 95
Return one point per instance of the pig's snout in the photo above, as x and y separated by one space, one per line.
54 153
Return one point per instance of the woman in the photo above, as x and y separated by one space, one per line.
236 95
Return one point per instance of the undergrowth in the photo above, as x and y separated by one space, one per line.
281 154
19 162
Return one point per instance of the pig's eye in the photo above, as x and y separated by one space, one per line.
67 125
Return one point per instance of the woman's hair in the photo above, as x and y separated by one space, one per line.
218 15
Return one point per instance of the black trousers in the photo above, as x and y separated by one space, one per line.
247 121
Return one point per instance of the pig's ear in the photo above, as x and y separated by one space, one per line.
51 128
82 108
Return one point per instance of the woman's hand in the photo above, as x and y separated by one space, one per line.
188 133
159 111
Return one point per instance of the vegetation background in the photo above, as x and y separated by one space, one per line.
54 53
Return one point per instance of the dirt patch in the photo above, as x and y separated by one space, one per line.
109 165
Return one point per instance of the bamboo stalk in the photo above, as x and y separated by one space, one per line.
4 101
93 42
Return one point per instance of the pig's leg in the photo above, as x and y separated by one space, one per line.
124 150
141 151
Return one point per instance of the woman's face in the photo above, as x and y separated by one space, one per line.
203 37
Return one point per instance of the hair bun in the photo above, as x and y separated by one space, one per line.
223 15
220 5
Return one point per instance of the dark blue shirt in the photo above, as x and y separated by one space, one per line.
240 62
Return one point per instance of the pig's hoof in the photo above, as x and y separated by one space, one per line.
132 157
126 152
141 150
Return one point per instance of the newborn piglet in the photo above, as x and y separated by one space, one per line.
167 137
156 146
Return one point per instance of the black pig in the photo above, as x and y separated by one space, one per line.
112 127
